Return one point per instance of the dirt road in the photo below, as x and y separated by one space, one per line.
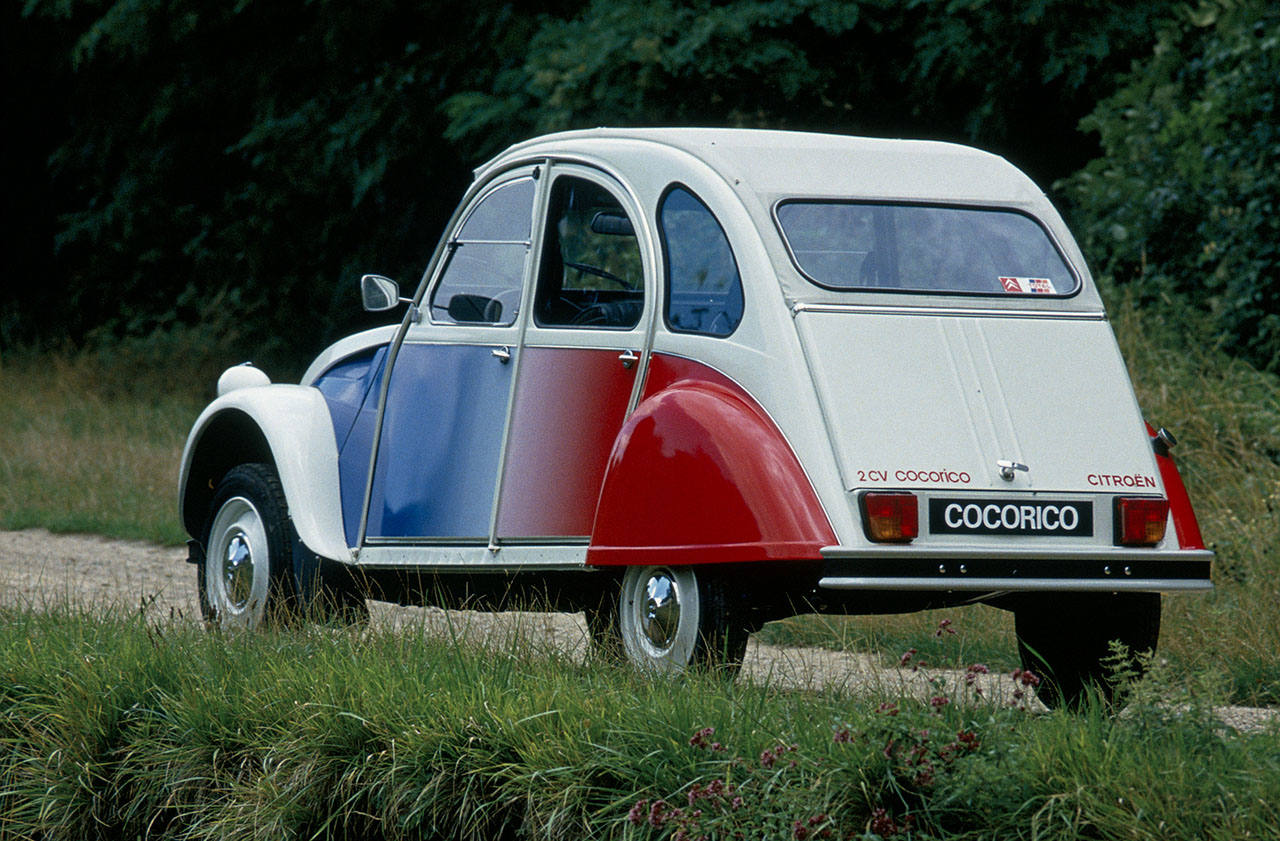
38 569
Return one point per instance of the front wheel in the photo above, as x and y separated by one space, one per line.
245 580
673 618
1065 638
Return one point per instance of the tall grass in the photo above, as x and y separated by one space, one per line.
92 443
111 727
1226 415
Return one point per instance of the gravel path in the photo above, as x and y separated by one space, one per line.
38 568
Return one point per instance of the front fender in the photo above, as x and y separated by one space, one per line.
700 474
284 425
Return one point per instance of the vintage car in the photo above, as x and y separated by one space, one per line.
692 380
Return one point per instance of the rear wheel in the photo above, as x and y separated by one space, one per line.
672 618
1064 638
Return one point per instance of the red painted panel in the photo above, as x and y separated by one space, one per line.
569 406
1185 525
700 474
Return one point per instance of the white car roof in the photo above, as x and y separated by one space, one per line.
763 167
811 164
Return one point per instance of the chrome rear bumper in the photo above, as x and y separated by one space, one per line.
1015 569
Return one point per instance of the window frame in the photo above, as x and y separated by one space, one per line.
454 245
587 174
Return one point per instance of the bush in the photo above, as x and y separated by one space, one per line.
1183 205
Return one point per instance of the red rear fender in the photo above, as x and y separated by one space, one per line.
1185 525
700 474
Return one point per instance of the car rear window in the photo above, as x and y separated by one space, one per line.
922 248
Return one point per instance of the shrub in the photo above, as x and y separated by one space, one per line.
1183 203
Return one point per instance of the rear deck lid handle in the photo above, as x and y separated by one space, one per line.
1007 468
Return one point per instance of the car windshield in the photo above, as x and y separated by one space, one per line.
922 248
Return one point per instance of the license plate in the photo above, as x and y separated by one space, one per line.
1066 518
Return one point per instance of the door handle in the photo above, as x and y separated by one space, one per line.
628 358
503 354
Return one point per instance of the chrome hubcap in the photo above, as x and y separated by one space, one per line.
237 570
238 564
660 616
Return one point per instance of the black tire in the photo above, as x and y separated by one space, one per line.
1064 638
246 579
669 619
284 581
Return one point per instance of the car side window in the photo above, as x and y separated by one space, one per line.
482 280
591 273
704 289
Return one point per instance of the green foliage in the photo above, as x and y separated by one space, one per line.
266 154
1005 79
1185 202
260 155
115 727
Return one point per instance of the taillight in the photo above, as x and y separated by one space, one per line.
1140 521
890 517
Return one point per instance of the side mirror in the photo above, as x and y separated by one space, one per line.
379 293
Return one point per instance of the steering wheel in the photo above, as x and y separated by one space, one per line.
596 271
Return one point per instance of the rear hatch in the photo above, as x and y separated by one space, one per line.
981 408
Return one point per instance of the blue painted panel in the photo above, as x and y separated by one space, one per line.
350 389
441 438
345 386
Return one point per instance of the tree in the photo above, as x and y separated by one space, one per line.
1014 79
232 166
1184 202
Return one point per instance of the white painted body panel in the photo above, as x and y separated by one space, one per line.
295 421
921 401
345 347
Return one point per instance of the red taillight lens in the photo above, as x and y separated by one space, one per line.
1140 521
890 517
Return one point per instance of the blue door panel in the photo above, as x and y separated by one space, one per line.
441 439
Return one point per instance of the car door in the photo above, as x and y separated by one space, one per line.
581 356
443 418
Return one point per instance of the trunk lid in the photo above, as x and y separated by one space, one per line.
929 400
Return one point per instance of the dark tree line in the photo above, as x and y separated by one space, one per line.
223 172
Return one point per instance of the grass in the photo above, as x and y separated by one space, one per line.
983 635
115 727
93 443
